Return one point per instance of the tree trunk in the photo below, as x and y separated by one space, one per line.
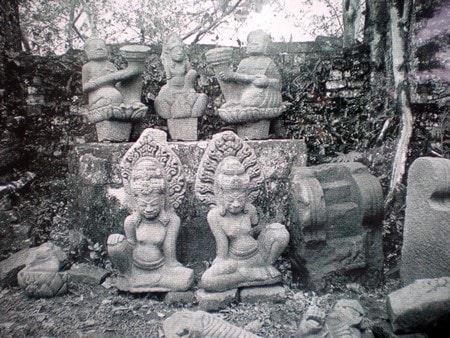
399 14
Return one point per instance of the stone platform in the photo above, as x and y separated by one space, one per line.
96 185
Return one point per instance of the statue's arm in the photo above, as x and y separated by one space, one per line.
110 78
170 242
130 228
219 235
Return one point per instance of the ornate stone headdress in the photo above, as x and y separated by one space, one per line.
220 159
152 147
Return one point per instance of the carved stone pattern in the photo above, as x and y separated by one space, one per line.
146 146
223 145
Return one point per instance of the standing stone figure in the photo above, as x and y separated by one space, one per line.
178 102
155 185
113 95
228 181
253 91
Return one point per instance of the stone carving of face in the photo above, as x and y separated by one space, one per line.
234 200
257 43
150 206
148 186
232 181
96 49
177 53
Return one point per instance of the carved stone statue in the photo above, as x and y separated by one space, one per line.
228 181
253 92
201 324
155 185
41 276
178 102
114 95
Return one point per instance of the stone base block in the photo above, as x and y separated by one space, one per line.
420 306
115 131
179 297
215 301
184 129
268 294
88 274
254 131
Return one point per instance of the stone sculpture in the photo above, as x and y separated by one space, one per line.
345 320
155 185
41 276
201 324
228 181
337 211
114 95
426 236
253 92
178 102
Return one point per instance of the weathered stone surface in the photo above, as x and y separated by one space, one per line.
88 274
154 186
41 276
426 236
201 324
253 92
344 320
179 297
420 306
336 212
215 301
11 266
101 209
268 294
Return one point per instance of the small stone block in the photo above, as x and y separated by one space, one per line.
179 297
11 266
269 294
214 301
88 274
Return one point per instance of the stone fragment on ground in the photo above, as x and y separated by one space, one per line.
215 301
420 306
201 324
11 266
269 294
88 274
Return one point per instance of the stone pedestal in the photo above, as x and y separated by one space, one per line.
337 211
254 130
269 294
98 192
115 131
184 129
215 301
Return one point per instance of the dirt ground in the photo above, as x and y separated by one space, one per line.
94 311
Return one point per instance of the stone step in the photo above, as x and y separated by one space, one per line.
337 192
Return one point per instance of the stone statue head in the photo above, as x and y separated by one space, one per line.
173 49
149 187
258 42
95 48
232 183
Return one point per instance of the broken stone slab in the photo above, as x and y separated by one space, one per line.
215 301
420 306
88 274
268 294
11 266
179 297
201 324
426 236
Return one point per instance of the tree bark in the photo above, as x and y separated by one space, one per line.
399 14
